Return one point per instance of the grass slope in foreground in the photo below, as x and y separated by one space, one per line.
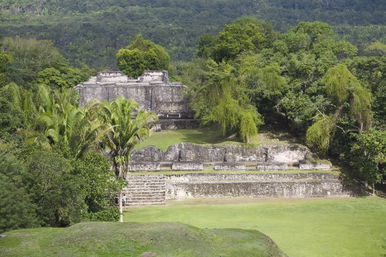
348 227
135 239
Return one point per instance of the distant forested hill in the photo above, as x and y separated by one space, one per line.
91 31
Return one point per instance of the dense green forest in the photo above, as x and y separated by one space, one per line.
306 81
306 78
91 32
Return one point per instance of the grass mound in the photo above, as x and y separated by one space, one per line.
137 239
347 227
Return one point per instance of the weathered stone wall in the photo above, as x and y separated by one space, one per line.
233 157
164 99
278 185
182 191
154 189
152 91
189 152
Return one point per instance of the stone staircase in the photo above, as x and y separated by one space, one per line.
144 190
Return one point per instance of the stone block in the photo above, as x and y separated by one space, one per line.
187 166
315 166
148 154
144 166
229 167
271 166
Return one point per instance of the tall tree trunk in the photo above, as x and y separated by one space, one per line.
120 197
120 207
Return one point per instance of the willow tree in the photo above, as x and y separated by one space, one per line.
123 134
344 89
222 101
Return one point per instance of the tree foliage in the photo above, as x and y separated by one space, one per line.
243 35
368 156
30 62
222 101
123 134
56 192
82 30
319 135
142 55
342 86
16 209
306 80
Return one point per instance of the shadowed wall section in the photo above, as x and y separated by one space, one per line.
152 91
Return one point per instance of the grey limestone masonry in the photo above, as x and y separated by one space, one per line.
187 166
144 190
229 167
152 91
144 166
155 189
315 166
273 185
231 158
188 156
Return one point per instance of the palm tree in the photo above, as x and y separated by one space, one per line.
64 125
127 126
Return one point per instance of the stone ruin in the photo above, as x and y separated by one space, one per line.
188 156
155 93
235 180
152 91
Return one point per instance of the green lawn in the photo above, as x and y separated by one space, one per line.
350 227
137 239
166 138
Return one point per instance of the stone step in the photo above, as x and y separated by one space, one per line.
146 189
143 177
145 203
144 199
146 184
144 192
150 186
159 192
139 185
141 189
144 195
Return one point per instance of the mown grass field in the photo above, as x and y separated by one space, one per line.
137 239
348 227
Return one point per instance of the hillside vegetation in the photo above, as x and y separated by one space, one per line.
92 31
137 239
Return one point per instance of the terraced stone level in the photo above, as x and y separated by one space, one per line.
154 189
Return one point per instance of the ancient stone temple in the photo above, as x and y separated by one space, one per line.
152 91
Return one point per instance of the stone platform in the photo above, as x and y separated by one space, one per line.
194 157
155 189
